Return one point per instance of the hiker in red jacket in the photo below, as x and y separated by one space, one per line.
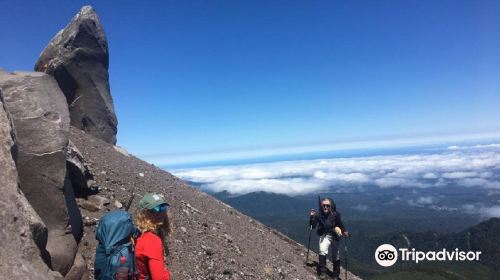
154 225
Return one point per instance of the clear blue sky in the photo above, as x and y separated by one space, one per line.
190 77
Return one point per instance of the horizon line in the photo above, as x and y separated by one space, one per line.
210 158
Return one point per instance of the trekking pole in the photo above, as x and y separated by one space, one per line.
129 202
345 253
309 243
345 256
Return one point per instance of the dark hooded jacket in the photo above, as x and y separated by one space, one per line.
327 223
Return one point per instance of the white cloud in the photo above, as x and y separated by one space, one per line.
426 200
423 201
429 175
354 177
458 175
456 167
481 182
488 212
491 211
294 186
481 146
389 182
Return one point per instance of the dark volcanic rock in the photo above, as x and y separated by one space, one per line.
79 269
78 171
19 223
78 59
41 118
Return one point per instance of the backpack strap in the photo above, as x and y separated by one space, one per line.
117 247
135 272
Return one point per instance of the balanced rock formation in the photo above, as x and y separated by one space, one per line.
78 59
19 223
41 120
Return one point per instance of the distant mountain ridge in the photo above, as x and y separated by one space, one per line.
289 215
482 237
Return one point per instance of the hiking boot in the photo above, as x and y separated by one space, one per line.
322 267
336 270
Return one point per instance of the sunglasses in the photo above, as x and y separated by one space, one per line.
326 205
160 208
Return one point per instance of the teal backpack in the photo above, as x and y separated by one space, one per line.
116 234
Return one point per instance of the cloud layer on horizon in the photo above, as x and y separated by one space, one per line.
484 211
475 166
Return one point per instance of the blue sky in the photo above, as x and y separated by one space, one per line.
205 78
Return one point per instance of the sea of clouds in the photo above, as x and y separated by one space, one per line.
468 166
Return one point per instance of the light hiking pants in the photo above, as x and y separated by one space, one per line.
327 241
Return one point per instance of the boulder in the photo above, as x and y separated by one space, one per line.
21 227
78 59
78 171
62 250
87 205
78 270
99 200
121 150
41 118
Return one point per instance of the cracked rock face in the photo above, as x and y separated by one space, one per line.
41 119
21 227
77 57
78 171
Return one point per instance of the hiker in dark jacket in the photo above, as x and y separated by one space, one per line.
330 229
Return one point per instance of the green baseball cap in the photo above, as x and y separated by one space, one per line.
151 200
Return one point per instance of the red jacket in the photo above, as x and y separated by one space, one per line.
149 257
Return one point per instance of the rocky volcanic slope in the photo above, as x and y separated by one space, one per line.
53 174
211 239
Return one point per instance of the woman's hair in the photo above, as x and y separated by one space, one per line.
332 203
145 222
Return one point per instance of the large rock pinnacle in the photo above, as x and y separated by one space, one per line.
77 57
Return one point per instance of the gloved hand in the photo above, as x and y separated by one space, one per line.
338 231
312 212
311 215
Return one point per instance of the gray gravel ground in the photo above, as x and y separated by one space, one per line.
211 239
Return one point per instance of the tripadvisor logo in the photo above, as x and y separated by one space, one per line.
387 255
